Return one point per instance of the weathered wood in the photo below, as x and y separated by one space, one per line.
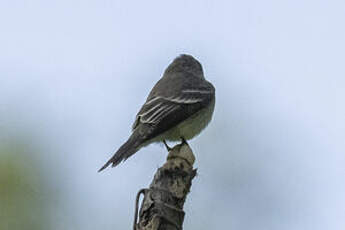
162 206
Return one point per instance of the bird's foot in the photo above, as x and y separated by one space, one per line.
183 141
167 146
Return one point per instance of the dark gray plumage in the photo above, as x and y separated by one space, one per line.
178 107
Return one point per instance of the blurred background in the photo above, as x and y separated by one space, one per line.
73 74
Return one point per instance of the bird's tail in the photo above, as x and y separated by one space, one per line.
131 146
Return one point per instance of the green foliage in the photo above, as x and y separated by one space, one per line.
23 205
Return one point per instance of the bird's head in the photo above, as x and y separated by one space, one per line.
186 63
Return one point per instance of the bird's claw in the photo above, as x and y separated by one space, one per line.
167 146
183 141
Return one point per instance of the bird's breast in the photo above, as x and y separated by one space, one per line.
190 127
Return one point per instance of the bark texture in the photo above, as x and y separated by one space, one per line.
162 206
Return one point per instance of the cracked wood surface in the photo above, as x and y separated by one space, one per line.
162 206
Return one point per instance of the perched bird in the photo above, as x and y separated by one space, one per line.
178 107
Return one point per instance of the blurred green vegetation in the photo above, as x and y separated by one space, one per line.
23 200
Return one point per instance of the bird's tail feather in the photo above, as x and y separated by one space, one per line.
125 151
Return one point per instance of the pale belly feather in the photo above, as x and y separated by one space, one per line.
188 128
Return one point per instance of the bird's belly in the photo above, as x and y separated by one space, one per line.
192 126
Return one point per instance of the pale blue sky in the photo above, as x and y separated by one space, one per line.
74 73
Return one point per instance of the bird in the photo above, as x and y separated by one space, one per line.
179 107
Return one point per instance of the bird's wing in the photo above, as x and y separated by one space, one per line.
163 112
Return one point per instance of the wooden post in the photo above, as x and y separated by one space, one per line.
162 206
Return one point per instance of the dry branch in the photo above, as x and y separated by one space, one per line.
162 206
